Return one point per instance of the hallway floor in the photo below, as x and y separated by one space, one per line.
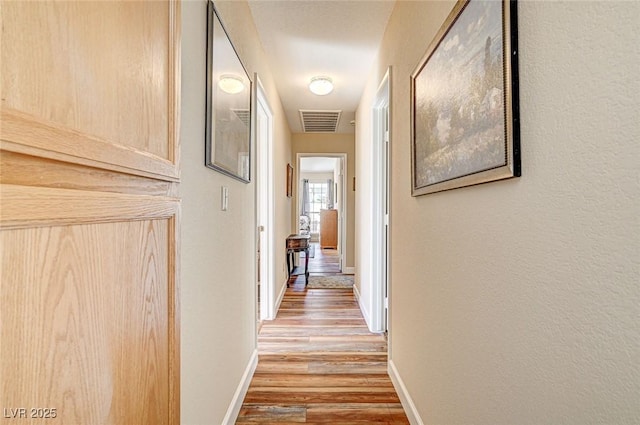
318 363
324 261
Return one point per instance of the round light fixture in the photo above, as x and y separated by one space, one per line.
321 85
231 84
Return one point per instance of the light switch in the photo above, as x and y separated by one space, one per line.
225 198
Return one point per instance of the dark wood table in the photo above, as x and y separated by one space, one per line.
298 243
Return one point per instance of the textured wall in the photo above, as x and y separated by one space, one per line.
517 302
218 248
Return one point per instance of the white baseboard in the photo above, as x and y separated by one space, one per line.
273 313
236 403
279 300
363 308
403 393
348 270
356 293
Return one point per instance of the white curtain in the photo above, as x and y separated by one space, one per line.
330 194
306 206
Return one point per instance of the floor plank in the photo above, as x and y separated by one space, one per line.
318 363
324 261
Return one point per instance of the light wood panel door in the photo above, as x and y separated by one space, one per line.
329 229
89 212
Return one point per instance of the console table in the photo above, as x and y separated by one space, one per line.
298 243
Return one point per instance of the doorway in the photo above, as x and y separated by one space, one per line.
321 202
381 202
265 292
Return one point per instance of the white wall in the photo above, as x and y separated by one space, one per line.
517 302
316 177
218 248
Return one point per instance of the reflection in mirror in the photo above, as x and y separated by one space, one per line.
228 131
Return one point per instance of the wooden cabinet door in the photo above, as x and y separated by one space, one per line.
89 212
329 229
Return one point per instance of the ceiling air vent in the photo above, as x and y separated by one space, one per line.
243 115
320 121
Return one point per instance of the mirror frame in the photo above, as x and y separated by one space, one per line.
217 100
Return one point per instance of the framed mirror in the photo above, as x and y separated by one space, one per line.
228 122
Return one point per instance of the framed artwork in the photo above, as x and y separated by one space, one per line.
464 100
228 110
289 181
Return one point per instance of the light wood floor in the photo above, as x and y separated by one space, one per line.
318 363
324 261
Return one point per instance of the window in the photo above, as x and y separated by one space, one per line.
317 201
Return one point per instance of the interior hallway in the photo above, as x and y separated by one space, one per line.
318 362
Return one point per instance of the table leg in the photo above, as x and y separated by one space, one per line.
288 267
306 266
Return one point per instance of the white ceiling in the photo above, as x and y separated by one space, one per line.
307 38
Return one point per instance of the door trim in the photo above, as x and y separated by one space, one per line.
380 246
265 217
342 212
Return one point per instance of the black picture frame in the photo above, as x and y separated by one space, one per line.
465 124
228 107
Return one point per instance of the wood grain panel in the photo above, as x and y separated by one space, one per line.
357 413
173 314
89 214
93 82
27 170
325 261
313 330
329 229
98 81
25 206
318 363
30 135
85 321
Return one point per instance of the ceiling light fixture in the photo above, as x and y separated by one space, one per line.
231 84
321 85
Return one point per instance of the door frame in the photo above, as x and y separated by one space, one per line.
381 195
264 197
342 211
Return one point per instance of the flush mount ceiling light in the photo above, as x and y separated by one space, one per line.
321 85
231 84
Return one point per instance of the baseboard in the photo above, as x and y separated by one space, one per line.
363 309
236 403
279 300
356 293
277 303
403 393
348 270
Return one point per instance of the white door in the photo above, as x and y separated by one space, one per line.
385 221
381 194
264 137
